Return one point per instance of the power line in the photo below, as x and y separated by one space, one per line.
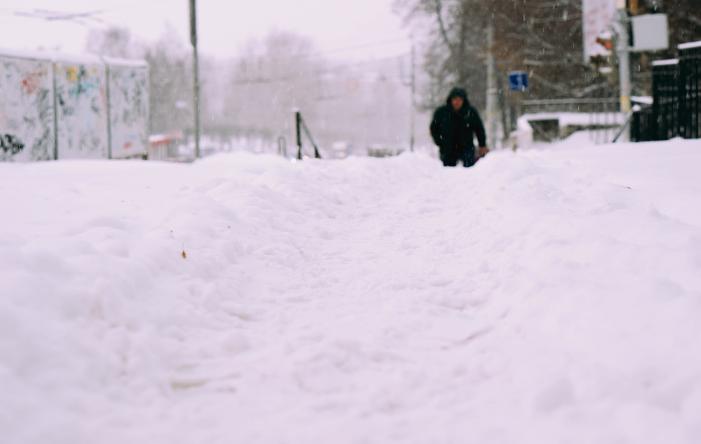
59 16
376 44
86 19
83 18
319 54
332 70
79 17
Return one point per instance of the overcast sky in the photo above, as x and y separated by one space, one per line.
224 24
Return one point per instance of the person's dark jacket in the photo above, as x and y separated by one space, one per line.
454 132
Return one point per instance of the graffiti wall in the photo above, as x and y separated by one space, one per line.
81 107
128 92
57 107
26 110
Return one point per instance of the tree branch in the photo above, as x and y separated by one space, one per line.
438 9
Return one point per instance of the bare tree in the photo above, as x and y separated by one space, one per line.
270 77
113 42
543 37
171 80
456 44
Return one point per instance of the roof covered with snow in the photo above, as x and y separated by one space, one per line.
61 57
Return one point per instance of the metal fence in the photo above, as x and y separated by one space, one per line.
600 117
689 96
676 108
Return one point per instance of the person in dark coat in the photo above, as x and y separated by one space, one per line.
453 129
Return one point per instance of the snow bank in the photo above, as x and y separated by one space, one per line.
542 297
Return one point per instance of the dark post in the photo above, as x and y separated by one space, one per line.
195 75
309 136
655 121
412 123
298 126
695 61
681 98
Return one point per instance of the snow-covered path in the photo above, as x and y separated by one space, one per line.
545 297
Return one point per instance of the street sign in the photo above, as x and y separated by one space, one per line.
518 81
650 32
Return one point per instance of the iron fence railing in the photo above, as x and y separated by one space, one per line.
676 91
300 130
689 94
665 95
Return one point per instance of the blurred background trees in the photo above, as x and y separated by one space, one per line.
543 37
364 102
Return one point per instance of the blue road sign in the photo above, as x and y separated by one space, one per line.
518 81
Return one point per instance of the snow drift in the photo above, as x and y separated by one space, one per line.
542 297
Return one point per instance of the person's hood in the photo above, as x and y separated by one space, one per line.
458 92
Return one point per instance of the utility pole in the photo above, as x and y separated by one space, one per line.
492 92
623 52
412 137
195 75
623 49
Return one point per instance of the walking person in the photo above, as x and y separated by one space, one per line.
454 127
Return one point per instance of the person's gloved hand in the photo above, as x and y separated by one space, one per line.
483 151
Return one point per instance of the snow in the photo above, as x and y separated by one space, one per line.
545 296
645 100
56 56
132 63
667 62
52 56
690 45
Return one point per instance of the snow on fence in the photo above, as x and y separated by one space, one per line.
61 107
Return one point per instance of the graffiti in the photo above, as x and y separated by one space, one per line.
26 110
81 111
128 109
32 82
42 148
81 80
10 144
60 110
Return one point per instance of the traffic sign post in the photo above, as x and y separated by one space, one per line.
518 81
